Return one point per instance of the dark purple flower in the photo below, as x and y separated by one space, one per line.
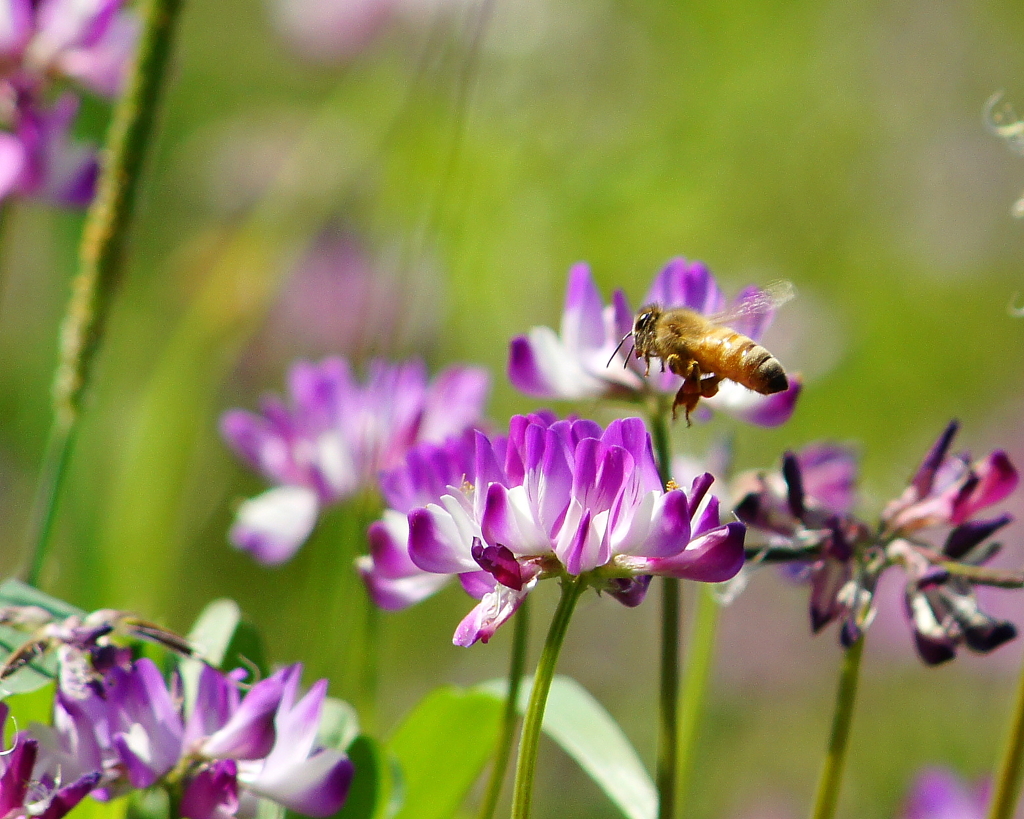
333 438
581 361
930 531
567 498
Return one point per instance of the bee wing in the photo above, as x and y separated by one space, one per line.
750 313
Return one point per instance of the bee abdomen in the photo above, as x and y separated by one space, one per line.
748 363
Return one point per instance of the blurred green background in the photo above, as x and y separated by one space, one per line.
474 152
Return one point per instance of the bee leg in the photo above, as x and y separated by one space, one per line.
690 392
709 386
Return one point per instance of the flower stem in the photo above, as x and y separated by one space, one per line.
1008 778
101 255
827 795
529 742
520 640
699 663
666 772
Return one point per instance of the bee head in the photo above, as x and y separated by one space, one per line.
644 325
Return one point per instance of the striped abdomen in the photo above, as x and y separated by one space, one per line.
734 356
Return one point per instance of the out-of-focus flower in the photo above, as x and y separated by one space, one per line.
229 750
589 359
335 436
567 499
930 531
38 159
938 793
331 31
428 472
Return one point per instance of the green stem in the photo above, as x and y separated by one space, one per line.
827 795
529 742
520 640
101 254
1008 779
666 765
699 664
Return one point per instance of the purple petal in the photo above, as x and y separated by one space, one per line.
494 609
499 562
454 401
272 526
216 699
212 793
436 544
924 479
524 370
582 319
103 66
477 584
794 485
669 534
829 474
630 591
17 774
68 797
711 558
12 162
968 535
761 410
249 733
15 28
997 478
397 593
938 794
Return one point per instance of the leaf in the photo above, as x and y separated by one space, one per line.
367 798
224 640
441 748
15 593
90 808
33 706
339 724
587 733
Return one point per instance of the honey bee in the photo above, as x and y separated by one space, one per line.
704 351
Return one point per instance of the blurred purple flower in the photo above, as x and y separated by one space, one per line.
566 498
335 436
581 361
426 475
805 510
228 749
88 41
39 160
939 794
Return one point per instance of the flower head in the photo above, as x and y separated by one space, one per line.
586 359
566 498
333 438
930 531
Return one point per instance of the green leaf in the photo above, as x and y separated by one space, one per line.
42 670
339 724
587 733
367 798
224 640
29 707
90 808
441 747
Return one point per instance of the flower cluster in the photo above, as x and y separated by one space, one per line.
88 43
931 531
335 436
585 360
224 754
554 499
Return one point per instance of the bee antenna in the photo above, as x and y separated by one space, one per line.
617 348
626 362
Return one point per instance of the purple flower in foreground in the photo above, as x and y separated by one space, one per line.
581 361
25 790
228 751
566 498
334 437
930 531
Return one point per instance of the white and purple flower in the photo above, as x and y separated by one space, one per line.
334 437
227 752
581 361
566 498
930 531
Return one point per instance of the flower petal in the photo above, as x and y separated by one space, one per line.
273 526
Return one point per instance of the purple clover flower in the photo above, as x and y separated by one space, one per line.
930 531
566 498
581 362
938 793
334 437
26 790
227 752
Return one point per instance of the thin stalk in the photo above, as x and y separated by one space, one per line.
1008 778
827 795
699 664
666 765
529 741
101 254
517 662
